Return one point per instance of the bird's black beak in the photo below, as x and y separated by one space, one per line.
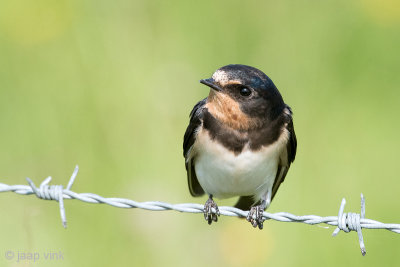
210 83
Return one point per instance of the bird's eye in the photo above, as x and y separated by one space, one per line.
244 91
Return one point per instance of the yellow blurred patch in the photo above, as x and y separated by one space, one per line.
31 22
383 11
242 245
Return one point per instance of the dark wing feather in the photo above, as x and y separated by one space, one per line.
246 202
188 141
291 148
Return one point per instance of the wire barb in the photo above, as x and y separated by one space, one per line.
54 192
345 222
348 222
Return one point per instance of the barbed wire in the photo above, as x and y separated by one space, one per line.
346 222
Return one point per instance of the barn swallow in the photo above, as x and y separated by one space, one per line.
240 142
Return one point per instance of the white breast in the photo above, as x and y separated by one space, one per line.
223 174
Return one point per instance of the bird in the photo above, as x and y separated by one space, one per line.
240 142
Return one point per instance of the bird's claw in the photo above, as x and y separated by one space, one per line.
209 215
255 216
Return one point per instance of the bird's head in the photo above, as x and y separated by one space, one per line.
243 93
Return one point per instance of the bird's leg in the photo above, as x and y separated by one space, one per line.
209 215
255 215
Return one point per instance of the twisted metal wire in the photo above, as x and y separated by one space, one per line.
345 222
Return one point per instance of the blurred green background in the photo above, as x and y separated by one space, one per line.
109 85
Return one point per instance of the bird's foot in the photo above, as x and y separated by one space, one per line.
209 215
255 216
